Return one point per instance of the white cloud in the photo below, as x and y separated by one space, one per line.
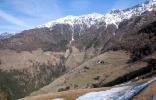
45 9
12 19
32 12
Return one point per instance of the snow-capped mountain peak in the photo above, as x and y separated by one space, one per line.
114 17
88 19
117 16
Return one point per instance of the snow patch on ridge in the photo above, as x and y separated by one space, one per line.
72 37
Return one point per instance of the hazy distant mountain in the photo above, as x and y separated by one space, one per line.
6 35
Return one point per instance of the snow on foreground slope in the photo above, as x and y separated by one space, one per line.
120 93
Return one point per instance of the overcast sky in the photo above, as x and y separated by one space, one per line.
18 15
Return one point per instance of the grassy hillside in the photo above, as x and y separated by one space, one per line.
25 72
90 74
19 83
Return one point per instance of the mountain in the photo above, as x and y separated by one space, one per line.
57 34
6 35
100 50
